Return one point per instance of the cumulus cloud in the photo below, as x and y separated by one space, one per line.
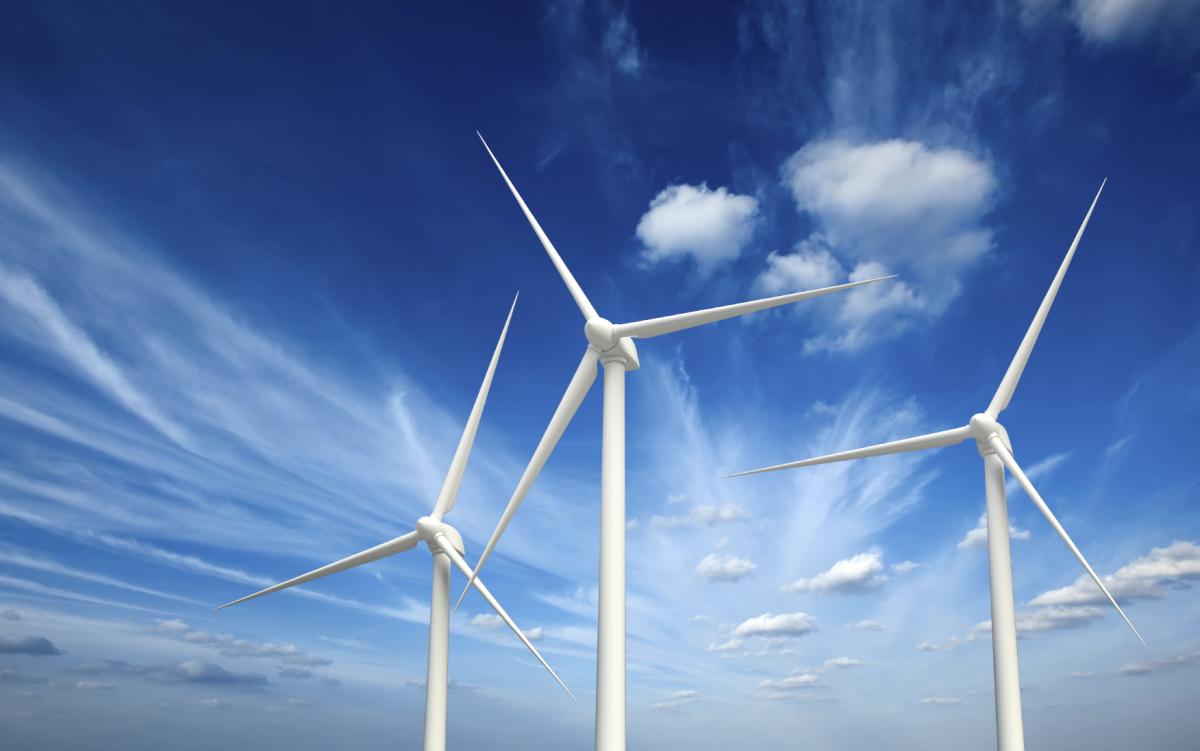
1148 577
729 568
28 645
487 621
843 662
794 681
885 207
977 537
693 221
230 646
202 671
782 625
860 573
905 567
809 267
535 633
1056 618
866 625
706 515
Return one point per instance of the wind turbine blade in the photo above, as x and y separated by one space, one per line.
916 443
447 548
1011 463
391 547
585 306
1009 383
585 376
458 465
667 324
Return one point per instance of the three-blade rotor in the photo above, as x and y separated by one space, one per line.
432 529
603 337
987 432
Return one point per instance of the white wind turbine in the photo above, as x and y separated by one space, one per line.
612 345
446 546
991 439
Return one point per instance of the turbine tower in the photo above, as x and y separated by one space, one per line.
611 345
446 546
991 439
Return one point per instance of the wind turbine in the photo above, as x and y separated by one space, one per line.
446 546
991 439
611 345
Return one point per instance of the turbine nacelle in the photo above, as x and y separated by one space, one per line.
983 426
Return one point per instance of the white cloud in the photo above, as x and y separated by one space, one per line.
859 573
730 568
709 226
1052 619
231 646
1130 21
620 46
886 207
487 622
782 625
94 686
794 681
939 701
535 634
843 662
949 645
729 645
1173 662
905 567
677 699
866 625
1143 578
27 296
811 266
705 515
977 537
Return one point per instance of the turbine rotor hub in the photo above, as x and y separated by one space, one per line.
430 528
983 427
601 333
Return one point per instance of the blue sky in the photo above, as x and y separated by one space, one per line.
253 263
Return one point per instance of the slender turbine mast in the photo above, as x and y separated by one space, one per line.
992 441
612 346
446 546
